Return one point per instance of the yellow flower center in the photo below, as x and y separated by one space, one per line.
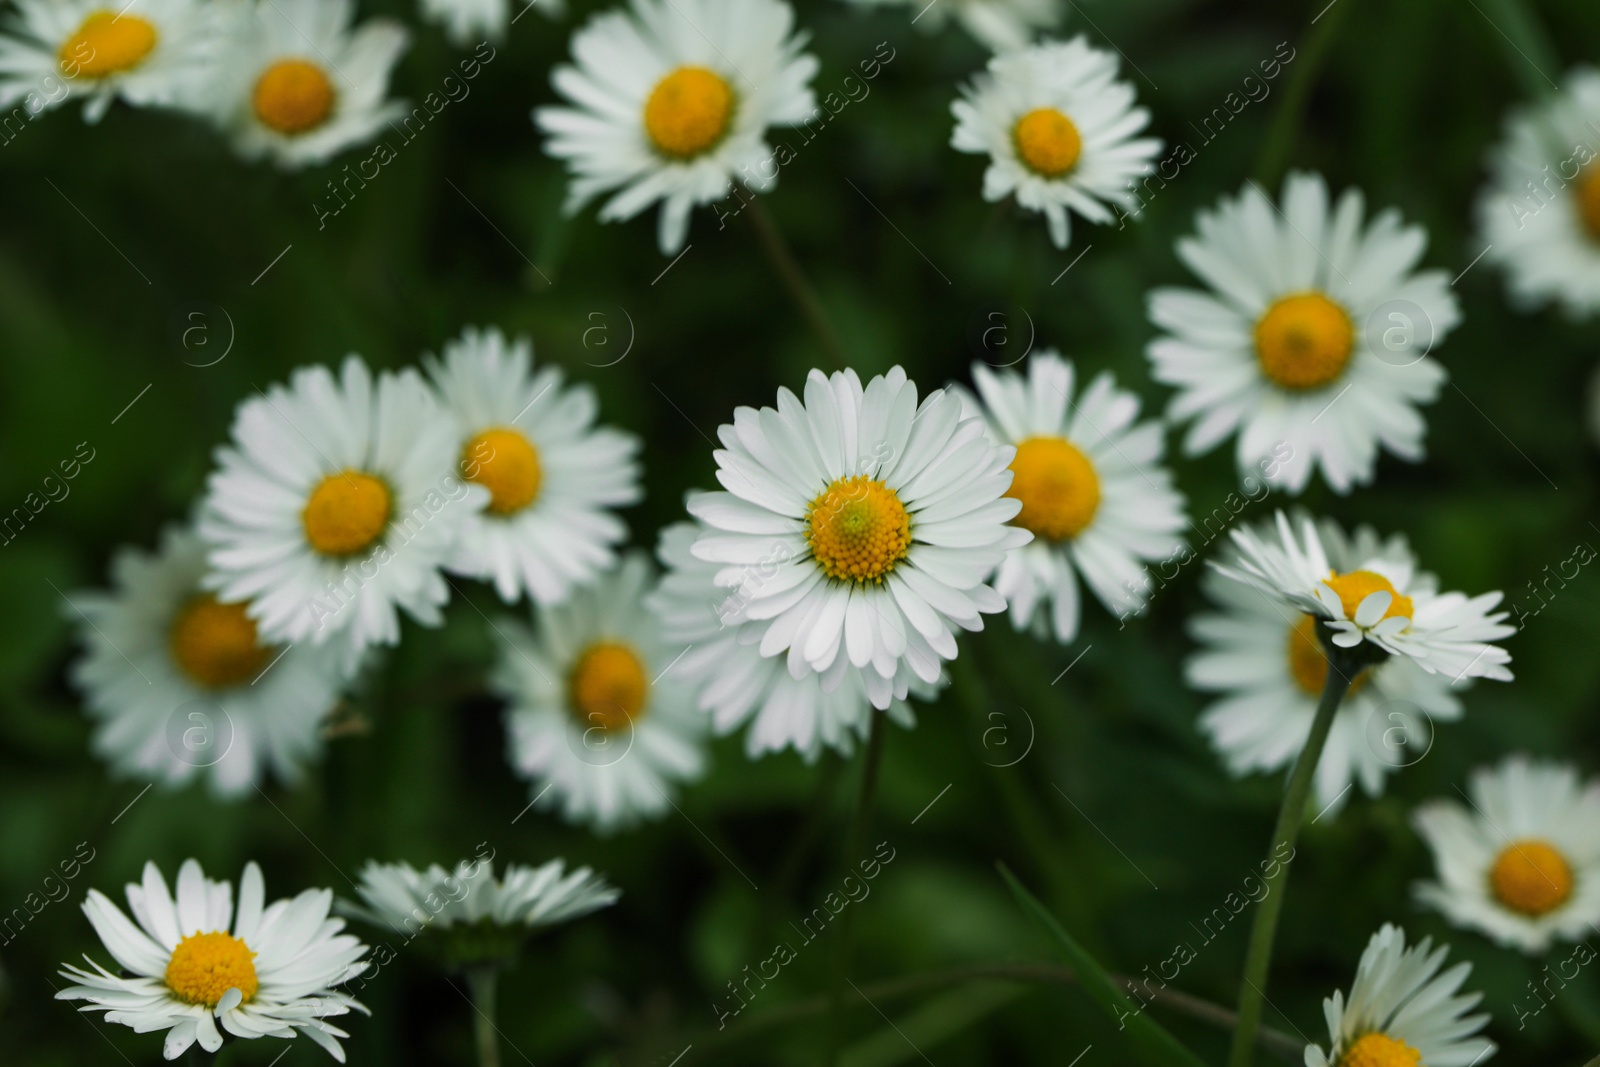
216 644
1356 586
1380 1050
1304 341
688 112
346 513
205 966
506 463
1047 141
293 96
608 687
1531 877
1057 485
858 529
105 44
1308 663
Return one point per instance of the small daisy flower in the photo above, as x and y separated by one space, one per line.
1093 492
302 85
1402 1012
858 528
1267 665
999 25
181 684
598 720
466 22
336 505
672 100
1384 602
1058 128
1522 864
1282 350
551 473
191 964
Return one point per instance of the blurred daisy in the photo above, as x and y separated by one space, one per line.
1402 1012
1267 664
302 86
999 25
672 102
468 21
158 55
551 474
1282 349
858 528
336 505
1523 863
598 720
1093 492
273 975
182 685
1384 601
1058 128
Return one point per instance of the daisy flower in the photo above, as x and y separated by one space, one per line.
1315 335
336 506
302 85
181 685
1523 863
1267 665
858 528
1058 128
148 53
672 100
1093 492
1402 1012
1384 603
551 473
599 721
999 25
468 21
273 975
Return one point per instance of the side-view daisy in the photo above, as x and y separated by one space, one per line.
1522 864
551 473
468 21
181 684
1093 491
1060 132
1315 335
1402 1012
192 964
999 25
671 101
598 719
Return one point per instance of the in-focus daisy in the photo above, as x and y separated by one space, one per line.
1522 864
1402 1012
1093 491
181 683
1000 25
469 21
672 100
858 528
1313 342
191 964
599 722
1267 665
302 85
551 473
1059 130
149 53
336 505
1383 601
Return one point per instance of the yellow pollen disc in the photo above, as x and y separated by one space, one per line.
346 513
608 687
1047 141
205 966
1531 877
293 96
1057 485
1380 1050
1304 341
1586 200
858 529
1356 586
105 44
688 112
506 463
216 644
1308 663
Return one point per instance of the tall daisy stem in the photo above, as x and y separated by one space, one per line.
1528 49
484 980
856 842
1279 141
793 278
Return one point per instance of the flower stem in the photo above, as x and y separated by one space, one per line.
1279 141
483 981
1528 49
858 835
793 278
